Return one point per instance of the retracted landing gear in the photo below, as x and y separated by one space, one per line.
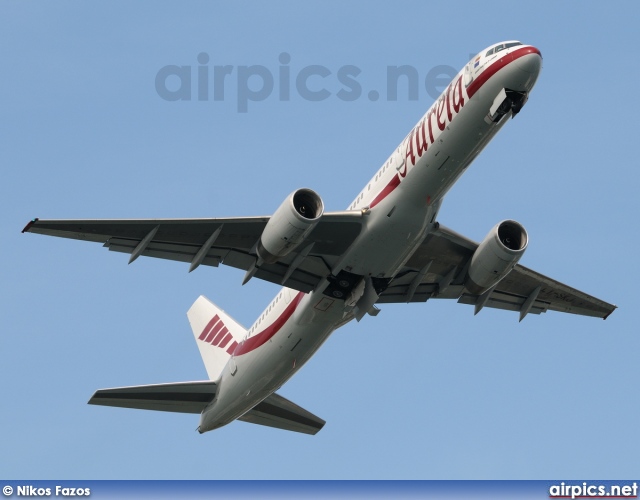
360 293
342 285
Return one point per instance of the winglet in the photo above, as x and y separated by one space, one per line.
609 313
28 226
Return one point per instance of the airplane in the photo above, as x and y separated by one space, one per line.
387 247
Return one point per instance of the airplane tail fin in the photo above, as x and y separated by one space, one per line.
217 334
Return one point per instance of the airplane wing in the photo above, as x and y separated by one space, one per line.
440 265
211 242
232 241
181 397
276 411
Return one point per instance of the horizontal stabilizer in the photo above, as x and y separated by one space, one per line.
181 397
276 411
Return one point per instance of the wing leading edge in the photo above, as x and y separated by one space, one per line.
211 242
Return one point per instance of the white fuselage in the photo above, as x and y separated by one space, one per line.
400 204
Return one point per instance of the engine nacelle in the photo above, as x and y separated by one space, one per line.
290 224
496 256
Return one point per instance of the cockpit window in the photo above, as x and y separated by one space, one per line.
502 46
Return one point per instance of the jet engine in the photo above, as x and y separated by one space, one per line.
290 224
496 256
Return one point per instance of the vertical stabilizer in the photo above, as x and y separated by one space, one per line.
217 334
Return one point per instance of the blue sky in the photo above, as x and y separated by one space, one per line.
423 391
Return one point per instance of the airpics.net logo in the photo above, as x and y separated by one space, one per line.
286 80
587 490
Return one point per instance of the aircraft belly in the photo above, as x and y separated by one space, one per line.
392 232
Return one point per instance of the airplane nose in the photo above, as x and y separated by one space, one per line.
531 61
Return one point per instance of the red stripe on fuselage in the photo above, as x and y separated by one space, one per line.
471 90
497 66
261 338
388 189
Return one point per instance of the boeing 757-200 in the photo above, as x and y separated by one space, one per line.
336 266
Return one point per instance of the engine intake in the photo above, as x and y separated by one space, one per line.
290 224
496 256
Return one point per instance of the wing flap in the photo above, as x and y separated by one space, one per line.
181 397
279 412
169 251
505 301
